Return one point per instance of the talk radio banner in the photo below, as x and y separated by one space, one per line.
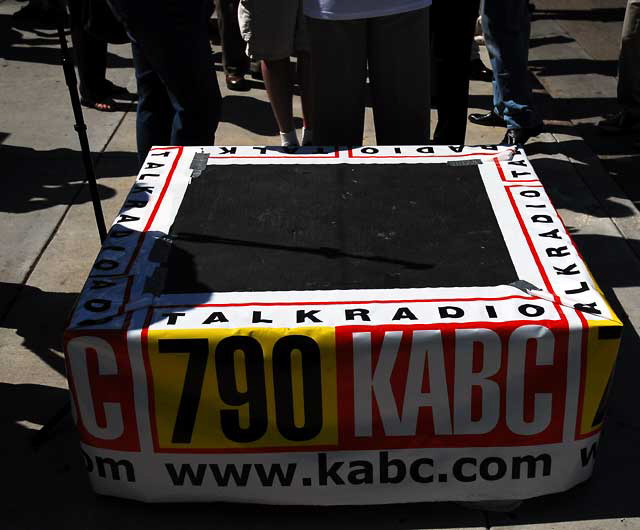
340 397
340 415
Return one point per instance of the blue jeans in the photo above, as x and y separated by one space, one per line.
178 94
506 25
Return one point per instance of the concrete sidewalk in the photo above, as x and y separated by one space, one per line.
49 241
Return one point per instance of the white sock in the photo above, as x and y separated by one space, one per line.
307 136
289 139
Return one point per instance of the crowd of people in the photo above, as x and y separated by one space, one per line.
401 56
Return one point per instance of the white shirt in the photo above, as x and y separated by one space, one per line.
354 9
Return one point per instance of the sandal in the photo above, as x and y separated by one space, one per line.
103 105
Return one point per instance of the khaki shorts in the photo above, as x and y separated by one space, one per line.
273 29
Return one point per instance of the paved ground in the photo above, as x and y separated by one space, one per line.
48 242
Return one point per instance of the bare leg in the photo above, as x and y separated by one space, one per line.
277 80
306 87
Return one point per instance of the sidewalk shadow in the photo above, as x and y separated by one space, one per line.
39 317
605 14
251 114
42 48
43 179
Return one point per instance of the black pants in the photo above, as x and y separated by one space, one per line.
178 94
91 57
234 58
452 29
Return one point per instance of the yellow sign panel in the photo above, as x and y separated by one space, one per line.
244 388
602 349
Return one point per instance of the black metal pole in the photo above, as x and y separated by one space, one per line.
46 431
81 128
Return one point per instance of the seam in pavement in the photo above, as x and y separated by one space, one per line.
54 231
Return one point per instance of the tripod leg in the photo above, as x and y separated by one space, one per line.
46 432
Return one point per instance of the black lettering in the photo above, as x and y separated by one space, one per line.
414 470
531 464
230 472
426 150
257 318
458 469
491 311
119 234
584 287
385 467
228 150
369 150
531 310
173 317
554 234
153 165
88 463
114 468
586 455
124 218
570 270
302 315
450 311
145 175
530 193
559 252
404 313
521 163
516 175
536 206
542 219
216 316
325 473
139 188
290 149
363 314
261 150
136 204
178 478
361 472
165 154
397 150
500 468
275 472
588 308
97 305
106 265
101 284
456 148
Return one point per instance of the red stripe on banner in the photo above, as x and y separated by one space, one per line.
504 178
351 155
155 208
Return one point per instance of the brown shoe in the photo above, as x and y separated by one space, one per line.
236 82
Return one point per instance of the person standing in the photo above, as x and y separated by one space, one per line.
506 25
628 119
234 61
178 94
389 42
452 30
274 30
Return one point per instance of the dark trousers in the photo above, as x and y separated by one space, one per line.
178 94
452 29
234 58
396 50
90 55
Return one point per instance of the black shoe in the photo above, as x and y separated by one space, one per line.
236 82
490 119
520 136
479 72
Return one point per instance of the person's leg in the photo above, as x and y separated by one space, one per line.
339 85
398 54
234 60
629 62
506 25
154 115
306 88
91 59
278 82
451 65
